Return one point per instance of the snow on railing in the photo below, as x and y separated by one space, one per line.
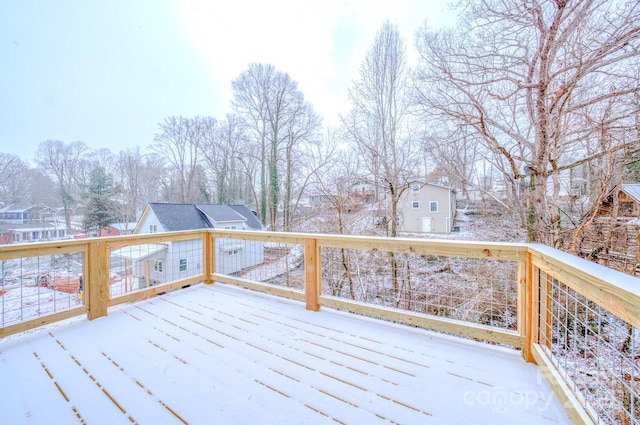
586 334
577 320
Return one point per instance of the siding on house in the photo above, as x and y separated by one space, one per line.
426 208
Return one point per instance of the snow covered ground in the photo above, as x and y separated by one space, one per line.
218 354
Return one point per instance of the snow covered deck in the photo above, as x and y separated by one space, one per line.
220 354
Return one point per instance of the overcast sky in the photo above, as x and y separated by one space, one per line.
107 72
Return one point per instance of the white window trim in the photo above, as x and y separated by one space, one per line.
431 204
157 265
415 205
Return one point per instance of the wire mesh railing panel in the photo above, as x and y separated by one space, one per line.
597 353
34 287
274 263
473 290
138 267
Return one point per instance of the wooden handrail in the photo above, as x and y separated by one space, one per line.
614 291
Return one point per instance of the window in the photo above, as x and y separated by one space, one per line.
415 188
230 227
626 208
183 264
433 206
157 266
153 228
232 252
415 205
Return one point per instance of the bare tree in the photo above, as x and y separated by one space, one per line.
301 129
277 118
333 181
538 82
455 152
64 163
154 178
377 122
14 181
224 157
178 141
129 182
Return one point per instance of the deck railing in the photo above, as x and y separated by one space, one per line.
577 320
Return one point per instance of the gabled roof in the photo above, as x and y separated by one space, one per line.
14 208
176 217
252 221
633 190
123 226
220 213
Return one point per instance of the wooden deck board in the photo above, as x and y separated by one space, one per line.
219 354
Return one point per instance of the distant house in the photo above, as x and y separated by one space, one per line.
363 192
628 201
34 223
613 236
426 208
38 213
157 263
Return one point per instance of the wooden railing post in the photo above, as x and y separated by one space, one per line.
532 308
522 307
208 257
312 274
96 279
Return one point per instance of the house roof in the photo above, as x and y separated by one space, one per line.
123 226
176 217
633 190
13 208
220 213
138 252
252 221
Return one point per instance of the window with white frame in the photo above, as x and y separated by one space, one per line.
153 228
415 188
232 252
234 227
415 205
183 264
433 206
157 266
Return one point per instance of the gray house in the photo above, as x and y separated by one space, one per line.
427 208
158 263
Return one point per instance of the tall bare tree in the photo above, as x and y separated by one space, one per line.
129 182
276 114
378 120
178 141
224 156
378 124
545 85
64 163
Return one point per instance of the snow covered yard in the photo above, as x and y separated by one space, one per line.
219 354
